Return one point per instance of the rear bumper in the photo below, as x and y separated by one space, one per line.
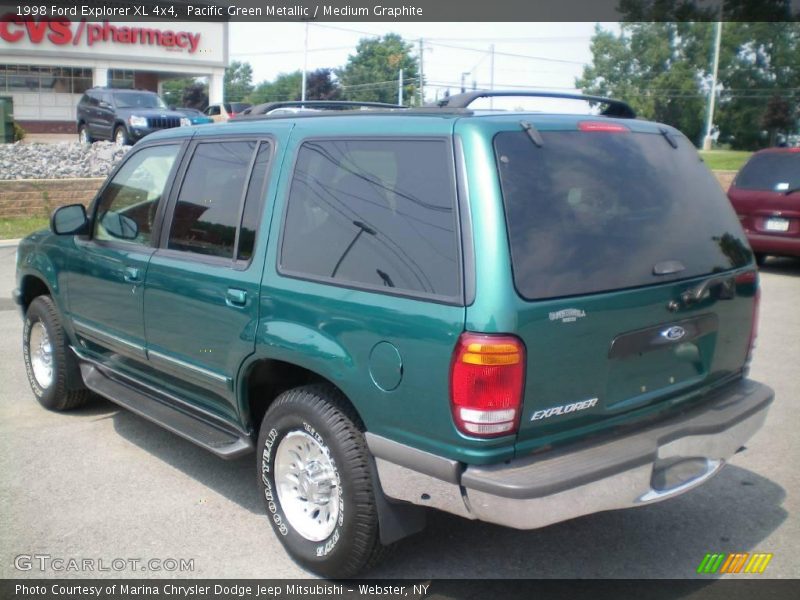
780 245
641 467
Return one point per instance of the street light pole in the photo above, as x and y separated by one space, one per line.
400 88
305 65
491 76
713 96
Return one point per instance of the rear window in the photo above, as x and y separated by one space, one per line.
237 107
594 211
777 172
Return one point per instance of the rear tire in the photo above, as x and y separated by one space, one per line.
314 474
761 259
47 357
84 137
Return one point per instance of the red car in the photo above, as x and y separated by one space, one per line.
766 196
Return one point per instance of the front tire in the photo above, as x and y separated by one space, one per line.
47 357
314 474
121 137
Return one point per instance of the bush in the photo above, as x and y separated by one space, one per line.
19 132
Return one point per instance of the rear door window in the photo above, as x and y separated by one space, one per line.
378 214
772 171
595 211
207 213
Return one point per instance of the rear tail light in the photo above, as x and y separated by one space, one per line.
601 126
486 379
749 279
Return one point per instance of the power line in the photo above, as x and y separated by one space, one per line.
291 51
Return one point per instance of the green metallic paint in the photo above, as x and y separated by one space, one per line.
332 330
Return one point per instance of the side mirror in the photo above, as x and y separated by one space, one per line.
120 226
69 220
104 104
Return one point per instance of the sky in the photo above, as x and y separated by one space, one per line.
527 55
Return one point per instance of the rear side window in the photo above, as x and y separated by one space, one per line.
773 171
595 211
378 214
207 212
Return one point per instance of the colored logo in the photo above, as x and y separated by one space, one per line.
736 562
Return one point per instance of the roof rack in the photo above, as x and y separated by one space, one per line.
614 108
263 110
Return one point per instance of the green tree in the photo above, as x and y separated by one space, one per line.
185 91
664 68
238 81
286 86
372 73
320 85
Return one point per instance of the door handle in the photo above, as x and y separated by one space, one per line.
235 297
131 275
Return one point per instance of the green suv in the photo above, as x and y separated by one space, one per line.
513 317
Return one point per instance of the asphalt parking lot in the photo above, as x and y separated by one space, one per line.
101 483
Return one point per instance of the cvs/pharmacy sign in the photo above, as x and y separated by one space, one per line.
14 28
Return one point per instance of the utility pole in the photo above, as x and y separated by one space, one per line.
713 96
305 65
491 75
421 75
400 88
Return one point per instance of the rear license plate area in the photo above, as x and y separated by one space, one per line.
776 224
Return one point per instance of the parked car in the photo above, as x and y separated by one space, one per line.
766 196
519 318
195 116
225 110
123 115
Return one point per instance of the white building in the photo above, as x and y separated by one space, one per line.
46 65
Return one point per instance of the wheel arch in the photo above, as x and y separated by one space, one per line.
262 379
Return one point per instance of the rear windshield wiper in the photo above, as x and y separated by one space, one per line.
791 191
533 133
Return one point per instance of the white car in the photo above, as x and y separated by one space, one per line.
225 110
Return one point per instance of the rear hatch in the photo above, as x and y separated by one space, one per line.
766 193
634 279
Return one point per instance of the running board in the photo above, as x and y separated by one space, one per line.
223 443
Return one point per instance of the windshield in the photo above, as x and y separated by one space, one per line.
138 100
773 171
596 211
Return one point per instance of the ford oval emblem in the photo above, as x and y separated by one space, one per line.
673 333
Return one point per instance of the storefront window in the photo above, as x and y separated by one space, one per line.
32 78
120 78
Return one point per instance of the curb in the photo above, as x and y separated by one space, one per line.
9 243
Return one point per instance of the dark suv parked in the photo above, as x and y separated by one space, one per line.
519 318
124 116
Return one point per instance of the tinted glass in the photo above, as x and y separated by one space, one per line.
138 100
774 171
253 203
207 212
127 208
374 213
592 211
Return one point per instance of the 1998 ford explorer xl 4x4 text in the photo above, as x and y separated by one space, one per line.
513 317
